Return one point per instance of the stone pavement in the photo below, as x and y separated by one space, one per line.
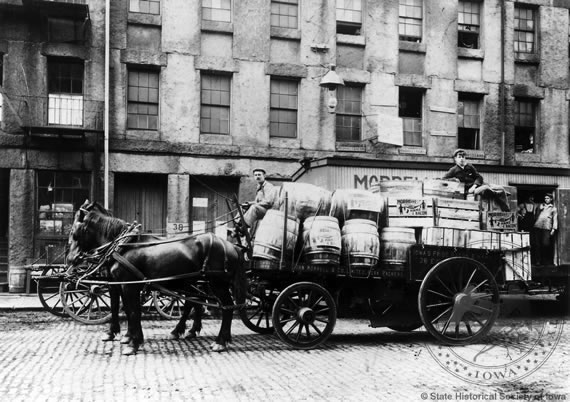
20 301
46 358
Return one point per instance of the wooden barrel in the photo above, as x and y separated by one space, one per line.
304 200
321 240
269 237
396 243
360 243
348 204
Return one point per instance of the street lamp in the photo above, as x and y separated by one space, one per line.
332 81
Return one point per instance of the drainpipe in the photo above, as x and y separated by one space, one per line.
106 113
503 97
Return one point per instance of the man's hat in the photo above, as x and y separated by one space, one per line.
548 195
259 170
459 151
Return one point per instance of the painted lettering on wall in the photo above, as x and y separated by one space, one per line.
366 182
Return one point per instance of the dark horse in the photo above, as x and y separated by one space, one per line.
146 257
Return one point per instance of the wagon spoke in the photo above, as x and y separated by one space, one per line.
295 325
468 326
474 317
470 279
439 294
293 302
299 332
322 311
446 324
481 308
438 304
322 321
320 299
482 296
445 286
476 287
315 328
441 315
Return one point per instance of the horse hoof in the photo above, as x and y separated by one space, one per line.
216 347
129 350
191 335
174 336
108 337
125 340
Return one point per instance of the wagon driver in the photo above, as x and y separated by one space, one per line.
264 198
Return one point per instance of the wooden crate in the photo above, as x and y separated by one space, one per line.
439 236
499 221
460 214
410 212
515 246
401 188
444 189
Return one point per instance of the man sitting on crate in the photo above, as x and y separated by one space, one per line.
474 186
264 198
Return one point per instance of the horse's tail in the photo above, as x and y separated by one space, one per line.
240 280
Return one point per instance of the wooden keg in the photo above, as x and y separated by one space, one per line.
360 243
269 237
304 200
396 244
321 240
348 204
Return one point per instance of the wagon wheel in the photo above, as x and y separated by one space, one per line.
458 301
257 315
88 304
48 291
147 301
304 315
169 307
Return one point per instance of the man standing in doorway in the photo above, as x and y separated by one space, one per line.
545 228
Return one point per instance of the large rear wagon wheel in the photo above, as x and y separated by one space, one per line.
257 315
458 301
304 315
48 290
88 304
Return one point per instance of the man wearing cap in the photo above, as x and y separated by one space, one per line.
264 199
545 227
464 172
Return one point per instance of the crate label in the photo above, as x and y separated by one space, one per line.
407 207
501 221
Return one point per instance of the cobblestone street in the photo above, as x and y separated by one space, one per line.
55 359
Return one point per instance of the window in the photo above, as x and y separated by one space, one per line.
217 10
525 125
410 110
410 22
65 92
468 23
283 104
348 17
468 118
348 113
285 14
142 105
59 195
525 30
215 104
145 6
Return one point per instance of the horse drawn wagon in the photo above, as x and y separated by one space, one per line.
386 259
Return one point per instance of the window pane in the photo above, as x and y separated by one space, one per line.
283 108
142 95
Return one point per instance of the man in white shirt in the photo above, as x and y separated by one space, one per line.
545 227
265 196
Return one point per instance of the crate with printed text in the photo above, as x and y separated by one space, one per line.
460 214
410 212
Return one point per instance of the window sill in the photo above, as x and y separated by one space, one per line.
144 19
350 146
465 53
65 50
354 40
218 27
415 47
524 157
285 33
527 58
409 150
216 139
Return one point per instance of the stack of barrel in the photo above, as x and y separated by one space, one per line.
314 220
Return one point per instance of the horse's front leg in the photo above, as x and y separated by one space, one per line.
114 326
224 336
180 328
131 300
